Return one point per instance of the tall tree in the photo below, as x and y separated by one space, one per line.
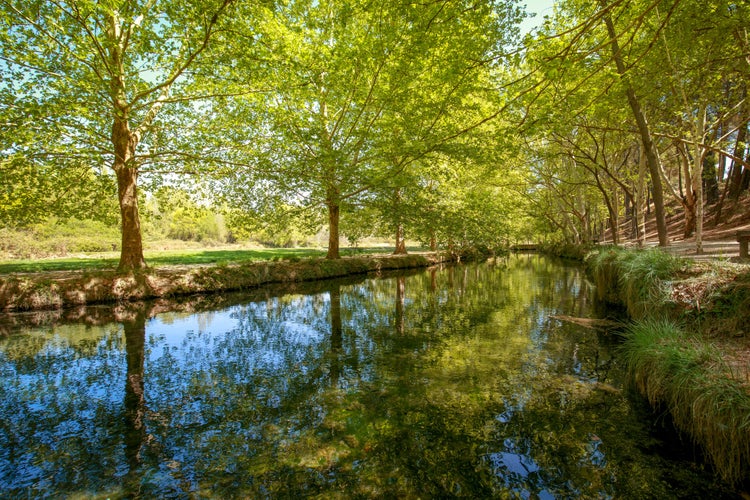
699 98
647 139
96 75
360 90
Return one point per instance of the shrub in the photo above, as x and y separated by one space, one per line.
54 237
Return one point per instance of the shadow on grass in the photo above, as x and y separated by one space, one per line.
176 258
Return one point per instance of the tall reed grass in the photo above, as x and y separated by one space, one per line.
638 279
670 362
689 377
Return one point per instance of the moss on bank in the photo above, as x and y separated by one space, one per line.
682 351
61 290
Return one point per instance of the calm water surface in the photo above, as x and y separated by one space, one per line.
440 383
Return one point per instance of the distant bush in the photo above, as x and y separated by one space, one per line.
565 250
195 224
56 238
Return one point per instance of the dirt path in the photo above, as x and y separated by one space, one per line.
712 250
719 241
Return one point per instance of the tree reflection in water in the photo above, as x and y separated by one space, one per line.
400 290
445 382
134 328
336 334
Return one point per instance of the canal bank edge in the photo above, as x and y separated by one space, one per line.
44 291
689 346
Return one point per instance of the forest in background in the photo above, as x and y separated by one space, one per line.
439 122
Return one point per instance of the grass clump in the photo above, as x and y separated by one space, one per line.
690 368
726 310
644 278
603 269
638 279
689 377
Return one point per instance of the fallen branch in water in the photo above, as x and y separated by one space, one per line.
594 324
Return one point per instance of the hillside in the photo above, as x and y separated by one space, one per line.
719 240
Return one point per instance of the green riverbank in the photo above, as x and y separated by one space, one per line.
57 290
688 348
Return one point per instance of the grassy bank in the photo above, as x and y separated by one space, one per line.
174 257
687 350
69 289
565 250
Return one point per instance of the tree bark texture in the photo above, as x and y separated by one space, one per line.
333 229
400 242
652 157
131 251
710 178
688 195
642 198
736 170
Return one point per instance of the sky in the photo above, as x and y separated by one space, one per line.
541 8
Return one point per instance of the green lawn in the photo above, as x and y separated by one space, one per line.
173 257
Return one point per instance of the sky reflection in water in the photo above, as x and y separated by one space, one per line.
445 382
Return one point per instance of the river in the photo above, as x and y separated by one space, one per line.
460 381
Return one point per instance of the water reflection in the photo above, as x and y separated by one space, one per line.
400 290
336 332
135 400
447 382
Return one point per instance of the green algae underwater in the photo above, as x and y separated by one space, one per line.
456 381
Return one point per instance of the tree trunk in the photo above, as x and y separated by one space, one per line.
126 170
687 199
642 198
400 242
333 230
720 205
690 218
643 128
630 217
699 208
131 253
735 172
613 223
614 220
699 155
710 179
733 185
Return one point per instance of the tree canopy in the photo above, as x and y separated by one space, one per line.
430 121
